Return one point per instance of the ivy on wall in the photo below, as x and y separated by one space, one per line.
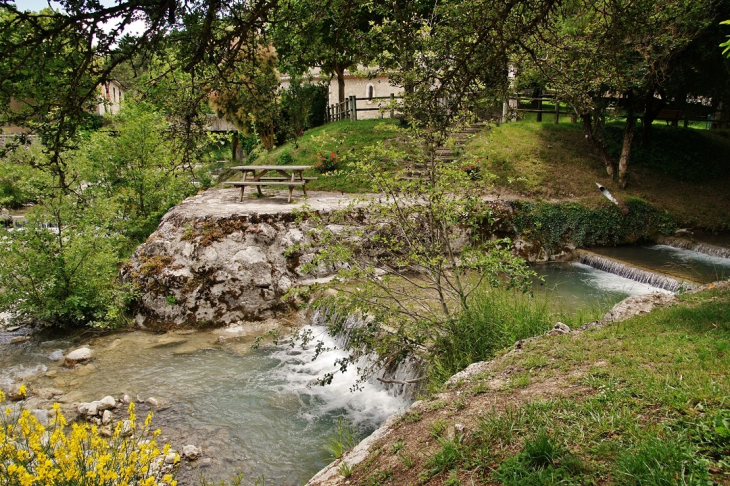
554 225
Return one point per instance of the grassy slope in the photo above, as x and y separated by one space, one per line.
345 139
548 161
686 172
640 402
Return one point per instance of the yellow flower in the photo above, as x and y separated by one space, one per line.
22 391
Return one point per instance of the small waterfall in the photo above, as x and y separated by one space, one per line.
633 273
717 251
400 379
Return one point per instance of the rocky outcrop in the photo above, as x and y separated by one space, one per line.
215 260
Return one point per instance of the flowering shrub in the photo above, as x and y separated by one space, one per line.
33 455
472 171
326 163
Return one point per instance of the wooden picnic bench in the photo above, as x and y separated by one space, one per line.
672 116
290 176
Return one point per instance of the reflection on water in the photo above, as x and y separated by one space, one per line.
576 285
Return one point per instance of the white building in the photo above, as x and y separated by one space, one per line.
112 95
372 90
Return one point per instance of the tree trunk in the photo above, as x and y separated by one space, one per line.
623 163
234 147
650 114
588 128
340 71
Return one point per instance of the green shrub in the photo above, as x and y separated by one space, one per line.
285 158
556 224
496 319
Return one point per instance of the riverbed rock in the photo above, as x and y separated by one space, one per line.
19 339
638 305
48 393
152 402
107 403
559 328
190 452
106 417
80 355
93 409
216 259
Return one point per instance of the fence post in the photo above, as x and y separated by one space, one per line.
392 105
557 109
353 108
539 104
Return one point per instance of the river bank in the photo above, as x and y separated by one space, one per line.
641 394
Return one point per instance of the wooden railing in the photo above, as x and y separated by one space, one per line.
348 109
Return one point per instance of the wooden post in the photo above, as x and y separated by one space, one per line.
557 109
353 108
347 108
392 105
539 105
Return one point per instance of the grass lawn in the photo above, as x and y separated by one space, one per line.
684 171
642 402
344 139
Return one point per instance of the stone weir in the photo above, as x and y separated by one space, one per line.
214 260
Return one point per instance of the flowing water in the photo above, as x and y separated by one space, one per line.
254 411
251 411
680 264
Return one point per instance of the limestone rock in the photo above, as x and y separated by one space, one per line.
106 417
638 305
190 452
559 328
152 402
19 339
93 409
107 403
80 355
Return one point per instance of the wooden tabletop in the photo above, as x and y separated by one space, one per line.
271 167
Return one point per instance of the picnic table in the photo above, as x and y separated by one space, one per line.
285 175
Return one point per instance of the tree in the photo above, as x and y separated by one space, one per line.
410 258
726 44
631 49
331 36
248 94
205 36
62 268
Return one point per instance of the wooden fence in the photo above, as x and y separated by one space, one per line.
348 109
536 105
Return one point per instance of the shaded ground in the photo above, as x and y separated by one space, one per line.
548 161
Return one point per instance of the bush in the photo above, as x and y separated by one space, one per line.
496 319
326 163
556 224
31 454
19 182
